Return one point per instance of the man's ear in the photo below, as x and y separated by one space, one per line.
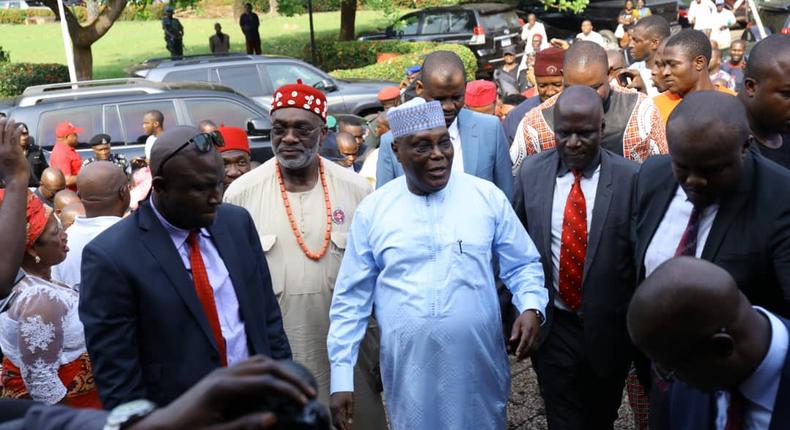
419 88
158 183
722 344
700 63
749 86
395 149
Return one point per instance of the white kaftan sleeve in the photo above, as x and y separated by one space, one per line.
352 303
519 261
40 315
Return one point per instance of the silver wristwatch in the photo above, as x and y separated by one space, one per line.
123 416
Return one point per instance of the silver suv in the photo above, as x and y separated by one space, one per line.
257 77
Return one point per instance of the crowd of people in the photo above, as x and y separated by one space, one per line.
618 219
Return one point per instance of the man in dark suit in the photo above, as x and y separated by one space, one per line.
179 288
729 358
713 199
481 148
576 203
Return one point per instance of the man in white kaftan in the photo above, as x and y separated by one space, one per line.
420 253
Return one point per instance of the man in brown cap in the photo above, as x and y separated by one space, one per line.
303 206
633 129
548 79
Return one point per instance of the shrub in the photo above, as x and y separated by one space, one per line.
15 77
393 69
12 16
333 55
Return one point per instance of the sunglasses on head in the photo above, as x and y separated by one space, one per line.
203 143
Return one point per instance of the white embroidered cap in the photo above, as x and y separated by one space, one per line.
415 115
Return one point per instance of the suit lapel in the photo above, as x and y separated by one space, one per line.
470 146
228 251
781 415
156 239
546 182
655 211
603 199
728 211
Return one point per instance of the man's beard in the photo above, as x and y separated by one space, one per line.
303 160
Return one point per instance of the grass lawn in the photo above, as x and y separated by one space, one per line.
131 42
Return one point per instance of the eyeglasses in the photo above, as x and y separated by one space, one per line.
203 143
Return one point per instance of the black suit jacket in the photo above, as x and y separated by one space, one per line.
146 331
692 409
750 236
609 273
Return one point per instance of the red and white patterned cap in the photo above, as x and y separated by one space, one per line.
300 96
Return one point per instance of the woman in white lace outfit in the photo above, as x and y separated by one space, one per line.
41 334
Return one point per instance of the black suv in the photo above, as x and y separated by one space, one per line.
602 13
116 107
485 28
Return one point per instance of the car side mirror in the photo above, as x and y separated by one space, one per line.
326 86
259 127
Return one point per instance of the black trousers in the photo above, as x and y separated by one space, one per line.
576 396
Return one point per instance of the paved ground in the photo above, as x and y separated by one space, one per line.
525 411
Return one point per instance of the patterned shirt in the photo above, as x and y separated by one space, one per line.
643 133
117 159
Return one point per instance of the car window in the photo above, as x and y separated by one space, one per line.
408 25
112 125
244 79
435 23
88 118
286 73
187 75
460 22
219 111
499 21
132 118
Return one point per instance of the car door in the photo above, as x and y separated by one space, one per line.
435 25
287 72
88 118
231 113
407 28
243 78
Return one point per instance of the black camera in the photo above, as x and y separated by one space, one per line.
312 416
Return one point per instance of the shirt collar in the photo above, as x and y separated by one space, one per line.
588 171
761 387
177 235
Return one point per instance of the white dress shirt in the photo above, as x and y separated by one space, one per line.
702 14
79 234
594 37
667 237
455 137
227 303
562 190
761 387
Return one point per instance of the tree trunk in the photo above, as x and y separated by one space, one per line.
93 7
83 62
83 37
238 9
272 7
348 14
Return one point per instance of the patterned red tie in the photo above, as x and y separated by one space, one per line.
573 248
735 411
205 293
688 242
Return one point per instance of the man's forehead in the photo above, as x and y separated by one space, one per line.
294 116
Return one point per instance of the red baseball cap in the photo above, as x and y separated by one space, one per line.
480 93
66 129
235 139
388 93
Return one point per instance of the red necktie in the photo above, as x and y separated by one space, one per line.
573 248
205 293
735 411
688 242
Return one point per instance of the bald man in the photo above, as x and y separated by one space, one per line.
104 191
685 69
70 213
62 199
765 95
574 201
691 319
479 142
52 181
715 199
348 148
634 129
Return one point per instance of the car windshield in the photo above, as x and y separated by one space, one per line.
500 21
